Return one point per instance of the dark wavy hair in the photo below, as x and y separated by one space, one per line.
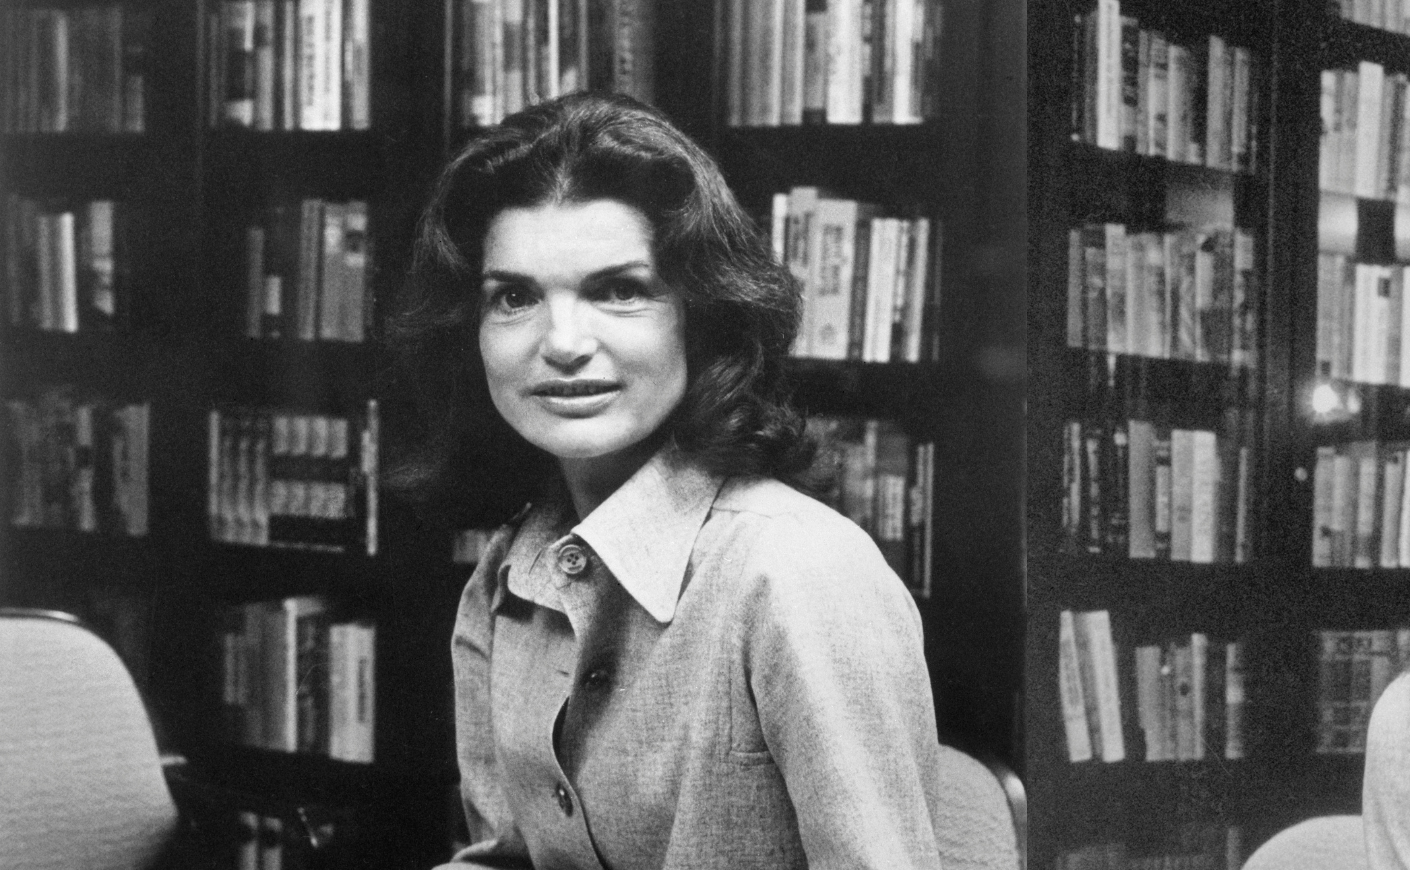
742 306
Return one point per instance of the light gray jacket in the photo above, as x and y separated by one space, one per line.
701 674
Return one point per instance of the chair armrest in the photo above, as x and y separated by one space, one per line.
1018 801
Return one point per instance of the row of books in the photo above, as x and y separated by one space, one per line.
1392 15
1365 144
1190 697
307 271
77 462
1362 321
73 68
868 290
506 54
290 64
1353 668
1189 694
836 62
1138 90
64 267
884 482
1190 293
1360 516
297 678
281 478
1196 847
1143 490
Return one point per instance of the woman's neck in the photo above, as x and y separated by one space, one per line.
592 481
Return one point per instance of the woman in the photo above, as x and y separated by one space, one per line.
671 658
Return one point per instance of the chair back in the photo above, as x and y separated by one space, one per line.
984 819
1321 843
81 782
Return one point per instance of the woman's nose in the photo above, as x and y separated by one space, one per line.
568 340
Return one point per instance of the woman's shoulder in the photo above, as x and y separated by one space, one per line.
777 507
796 559
793 533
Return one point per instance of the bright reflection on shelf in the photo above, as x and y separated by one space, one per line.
1325 400
1330 402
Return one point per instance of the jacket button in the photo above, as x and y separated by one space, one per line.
565 800
598 678
572 560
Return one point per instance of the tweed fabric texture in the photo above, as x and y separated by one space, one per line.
734 679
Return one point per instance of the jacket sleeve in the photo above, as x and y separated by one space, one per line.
836 666
1385 795
495 840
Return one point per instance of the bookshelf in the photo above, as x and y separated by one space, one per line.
959 165
1291 594
212 196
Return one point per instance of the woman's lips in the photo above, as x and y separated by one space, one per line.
576 398
571 389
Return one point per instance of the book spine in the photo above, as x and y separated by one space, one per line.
1071 692
815 60
843 69
370 479
312 64
357 65
264 71
310 259
1098 734
792 54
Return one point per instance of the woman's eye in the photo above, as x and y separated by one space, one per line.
511 299
623 291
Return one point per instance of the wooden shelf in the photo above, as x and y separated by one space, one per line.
1347 42
123 166
333 164
1150 193
1148 596
1382 413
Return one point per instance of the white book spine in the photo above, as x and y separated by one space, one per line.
1370 81
1108 81
1097 624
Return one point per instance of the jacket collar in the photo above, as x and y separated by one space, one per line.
644 534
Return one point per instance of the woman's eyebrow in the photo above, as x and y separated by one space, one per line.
510 277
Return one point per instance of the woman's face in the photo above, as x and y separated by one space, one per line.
583 343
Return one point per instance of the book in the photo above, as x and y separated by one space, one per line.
356 110
352 691
282 673
844 98
830 293
1071 691
815 61
1141 489
801 252
1094 640
238 76
1182 494
881 288
309 269
1235 699
1152 703
333 278
77 461
264 68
